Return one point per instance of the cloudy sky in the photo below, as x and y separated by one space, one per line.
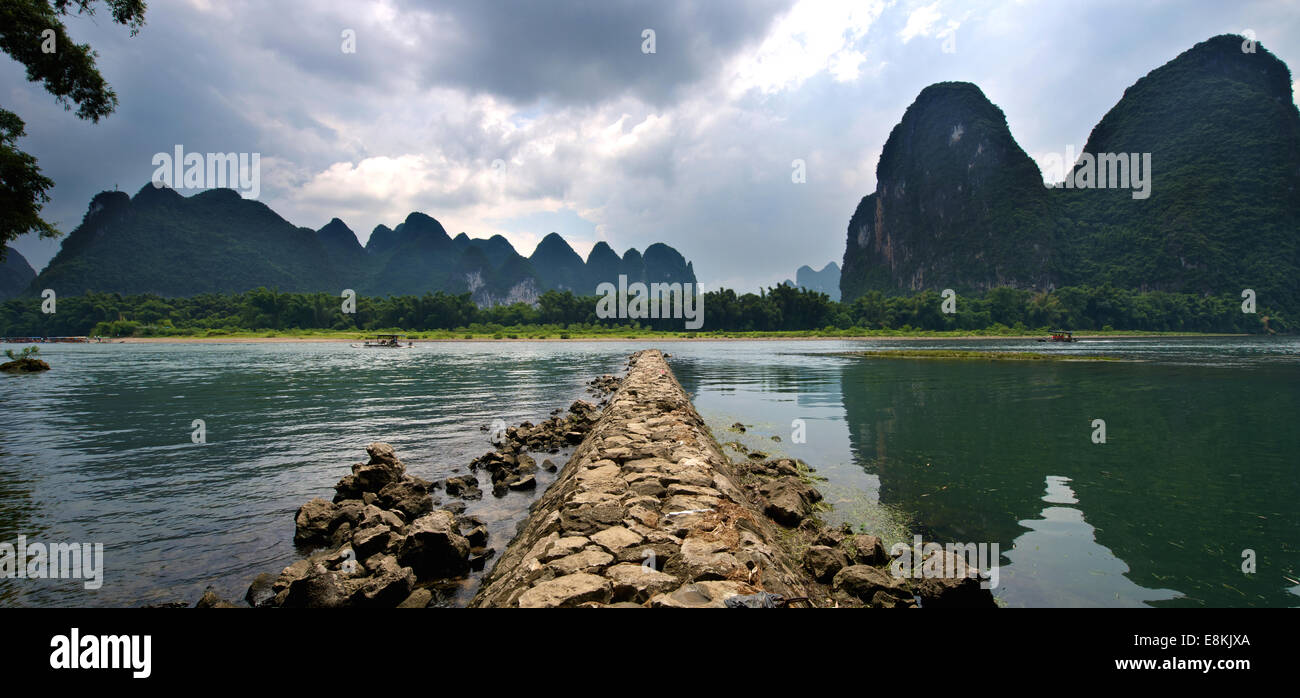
526 117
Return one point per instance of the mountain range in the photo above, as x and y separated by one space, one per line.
958 204
15 274
827 280
163 243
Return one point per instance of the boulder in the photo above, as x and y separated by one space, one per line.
823 562
371 540
958 588
389 586
319 589
863 581
261 593
568 591
465 487
477 536
433 547
788 500
407 495
865 549
381 452
314 522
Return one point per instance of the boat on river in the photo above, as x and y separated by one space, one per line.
385 341
1060 336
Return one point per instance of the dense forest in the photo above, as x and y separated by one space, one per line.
778 309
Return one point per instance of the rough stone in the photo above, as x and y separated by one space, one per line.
567 591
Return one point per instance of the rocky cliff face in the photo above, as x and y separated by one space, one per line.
957 204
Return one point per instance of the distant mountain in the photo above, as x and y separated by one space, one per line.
633 265
382 239
559 267
163 243
959 205
423 258
603 265
15 274
663 264
825 281
341 245
216 242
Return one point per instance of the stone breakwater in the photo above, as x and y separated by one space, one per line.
647 512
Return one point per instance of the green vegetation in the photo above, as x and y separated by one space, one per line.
978 355
779 312
1223 210
28 353
32 32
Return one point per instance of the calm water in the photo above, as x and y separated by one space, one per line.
1200 461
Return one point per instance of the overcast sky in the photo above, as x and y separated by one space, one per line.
691 145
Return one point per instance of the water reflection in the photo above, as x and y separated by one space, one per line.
1199 463
1058 562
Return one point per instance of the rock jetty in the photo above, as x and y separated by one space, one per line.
647 512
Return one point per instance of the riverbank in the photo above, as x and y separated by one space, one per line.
972 355
655 337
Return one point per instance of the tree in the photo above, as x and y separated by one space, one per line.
32 32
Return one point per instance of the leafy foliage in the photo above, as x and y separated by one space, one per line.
26 353
69 73
783 308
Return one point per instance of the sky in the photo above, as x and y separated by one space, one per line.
523 117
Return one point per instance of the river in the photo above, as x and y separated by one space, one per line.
1197 477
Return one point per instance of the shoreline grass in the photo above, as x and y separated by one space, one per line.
533 333
974 355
